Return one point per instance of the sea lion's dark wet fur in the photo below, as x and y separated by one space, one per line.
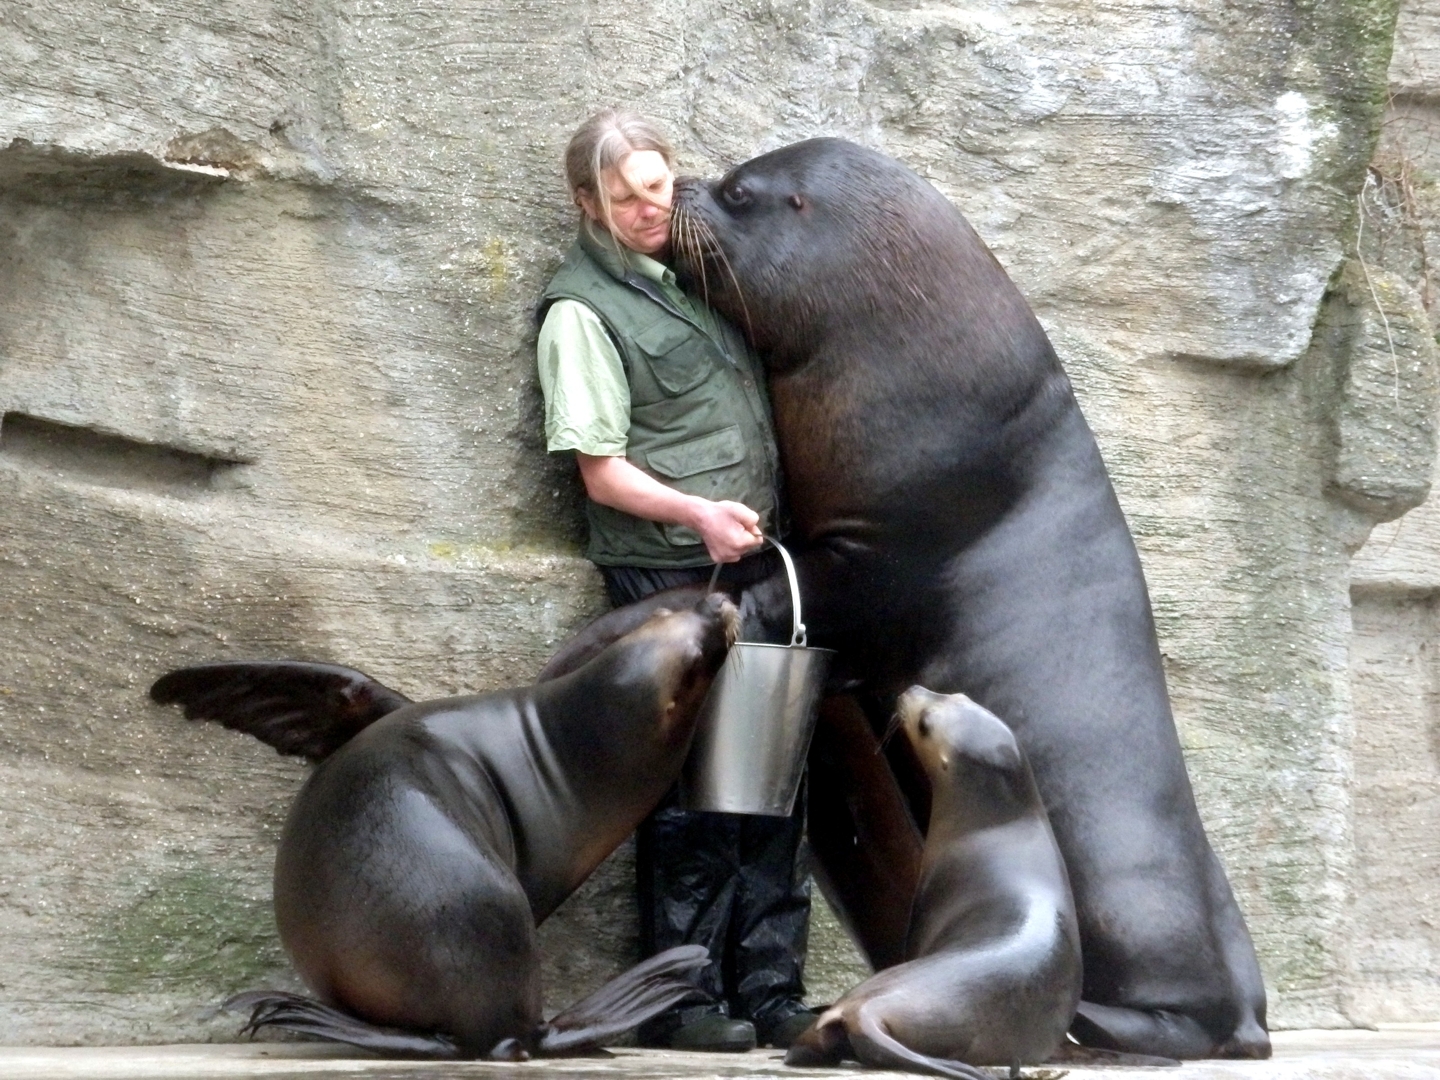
957 529
992 957
421 854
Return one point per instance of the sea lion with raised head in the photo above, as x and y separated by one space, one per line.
992 957
433 838
956 528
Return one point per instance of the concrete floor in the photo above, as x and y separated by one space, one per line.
1396 1052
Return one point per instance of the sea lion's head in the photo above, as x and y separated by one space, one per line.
814 240
967 751
671 659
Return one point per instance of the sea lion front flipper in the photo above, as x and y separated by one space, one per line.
309 710
272 1008
876 1047
862 831
1157 1032
625 1002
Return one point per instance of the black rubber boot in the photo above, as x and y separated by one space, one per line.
770 923
715 1033
735 884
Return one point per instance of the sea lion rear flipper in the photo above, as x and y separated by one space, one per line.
862 831
271 1008
823 1044
309 710
876 1047
1158 1032
625 1002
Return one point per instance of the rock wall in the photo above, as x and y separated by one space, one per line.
266 389
1394 583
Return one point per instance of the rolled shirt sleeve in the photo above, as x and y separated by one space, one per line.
587 397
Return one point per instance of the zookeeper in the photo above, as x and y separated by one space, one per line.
664 406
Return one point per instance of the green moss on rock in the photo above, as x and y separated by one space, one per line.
196 928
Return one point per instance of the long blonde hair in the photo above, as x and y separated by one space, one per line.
603 142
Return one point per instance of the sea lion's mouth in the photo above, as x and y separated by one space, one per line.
692 238
695 668
913 714
700 257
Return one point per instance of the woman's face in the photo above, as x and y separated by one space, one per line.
640 223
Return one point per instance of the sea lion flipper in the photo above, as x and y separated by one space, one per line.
876 1047
1159 1033
824 1044
862 831
625 1002
309 710
291 1012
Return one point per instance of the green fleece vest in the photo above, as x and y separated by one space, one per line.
699 417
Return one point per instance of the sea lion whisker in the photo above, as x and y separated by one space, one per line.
895 721
690 248
699 249
724 260
680 236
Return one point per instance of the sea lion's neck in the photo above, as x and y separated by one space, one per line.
621 752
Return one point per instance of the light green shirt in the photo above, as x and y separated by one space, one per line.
587 397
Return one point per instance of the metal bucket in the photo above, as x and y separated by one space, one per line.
755 725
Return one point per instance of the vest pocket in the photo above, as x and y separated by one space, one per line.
713 451
678 356
686 463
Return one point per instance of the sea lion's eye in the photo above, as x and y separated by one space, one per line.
735 194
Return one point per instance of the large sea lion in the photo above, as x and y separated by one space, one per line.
956 528
432 838
992 957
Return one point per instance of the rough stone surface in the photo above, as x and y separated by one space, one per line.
1397 809
1395 580
266 277
1377 331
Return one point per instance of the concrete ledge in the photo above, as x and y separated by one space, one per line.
1395 1052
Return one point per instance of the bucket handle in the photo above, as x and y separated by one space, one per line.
798 635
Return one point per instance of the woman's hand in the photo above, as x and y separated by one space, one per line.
730 530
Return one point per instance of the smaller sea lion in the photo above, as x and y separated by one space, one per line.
434 837
992 971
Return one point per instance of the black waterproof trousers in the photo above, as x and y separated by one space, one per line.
734 883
